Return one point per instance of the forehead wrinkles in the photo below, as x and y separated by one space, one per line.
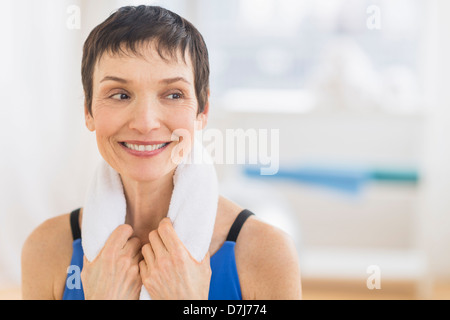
146 50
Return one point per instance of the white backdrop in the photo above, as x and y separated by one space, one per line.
47 154
435 200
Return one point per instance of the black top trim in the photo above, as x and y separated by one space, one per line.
237 224
232 234
74 224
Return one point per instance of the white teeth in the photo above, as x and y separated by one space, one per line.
138 147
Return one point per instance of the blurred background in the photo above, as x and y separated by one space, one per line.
355 88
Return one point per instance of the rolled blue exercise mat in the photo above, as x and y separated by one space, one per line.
343 178
394 175
349 180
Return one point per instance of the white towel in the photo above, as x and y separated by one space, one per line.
192 208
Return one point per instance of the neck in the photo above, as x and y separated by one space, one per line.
147 204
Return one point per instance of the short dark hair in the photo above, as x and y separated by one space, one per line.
131 26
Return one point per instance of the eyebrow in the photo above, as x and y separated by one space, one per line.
113 78
164 81
175 79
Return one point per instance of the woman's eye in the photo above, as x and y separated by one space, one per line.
120 96
175 96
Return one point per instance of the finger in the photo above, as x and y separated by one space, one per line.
85 261
138 257
206 259
133 246
157 244
148 254
169 236
143 269
119 237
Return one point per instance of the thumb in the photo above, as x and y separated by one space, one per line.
85 260
205 264
206 259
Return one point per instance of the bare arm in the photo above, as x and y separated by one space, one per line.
45 254
267 262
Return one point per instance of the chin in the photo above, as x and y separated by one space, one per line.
148 173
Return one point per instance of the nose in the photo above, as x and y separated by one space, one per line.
145 115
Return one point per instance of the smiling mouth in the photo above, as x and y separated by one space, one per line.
141 147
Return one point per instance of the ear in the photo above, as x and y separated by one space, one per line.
89 120
202 118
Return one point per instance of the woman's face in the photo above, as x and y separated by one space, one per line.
138 103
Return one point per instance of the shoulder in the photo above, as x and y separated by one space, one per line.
49 231
45 255
267 262
227 212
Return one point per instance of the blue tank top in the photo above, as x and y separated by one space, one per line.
224 283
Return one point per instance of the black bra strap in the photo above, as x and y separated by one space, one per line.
74 224
237 224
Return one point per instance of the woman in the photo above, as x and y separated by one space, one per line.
145 74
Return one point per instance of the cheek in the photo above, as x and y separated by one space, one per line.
107 123
182 122
184 117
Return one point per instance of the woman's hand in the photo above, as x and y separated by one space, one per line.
168 271
114 273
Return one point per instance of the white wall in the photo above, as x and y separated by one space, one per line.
435 203
47 153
